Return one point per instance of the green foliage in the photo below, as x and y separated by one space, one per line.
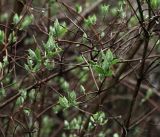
91 20
2 93
27 111
63 84
148 94
34 60
121 11
115 135
104 9
58 95
114 11
22 98
12 37
32 95
27 21
69 101
99 118
49 64
20 101
101 134
58 29
63 102
4 17
133 21
82 89
1 36
4 63
72 98
103 67
24 22
51 47
78 8
47 123
155 3
57 109
84 37
74 124
16 18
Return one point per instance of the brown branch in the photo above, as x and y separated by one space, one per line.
137 87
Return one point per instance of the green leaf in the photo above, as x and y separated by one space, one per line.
27 111
155 3
148 94
82 89
12 37
64 84
38 55
66 124
32 94
5 61
72 98
51 47
74 124
91 20
1 66
104 8
99 70
23 93
27 67
1 36
32 54
2 92
34 60
57 108
58 29
20 101
49 64
108 73
91 62
16 19
114 11
78 8
47 124
109 55
27 21
106 65
116 135
114 61
64 103
99 118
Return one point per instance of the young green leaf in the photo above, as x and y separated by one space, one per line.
27 21
72 98
2 92
58 29
82 89
63 102
104 8
16 18
51 47
99 118
49 64
91 20
20 101
1 36
78 8
99 70
27 111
